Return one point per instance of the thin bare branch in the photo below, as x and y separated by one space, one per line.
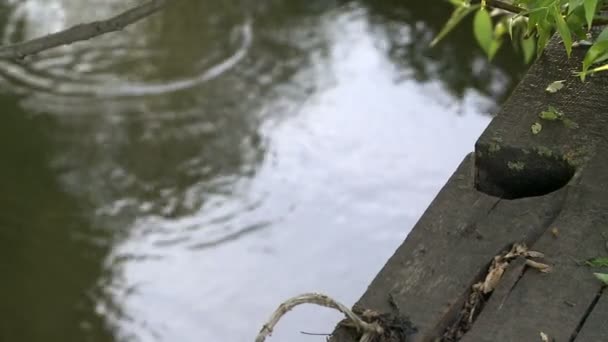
509 7
82 32
504 6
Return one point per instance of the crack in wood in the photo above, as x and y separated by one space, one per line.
580 325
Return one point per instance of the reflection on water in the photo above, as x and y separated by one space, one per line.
177 180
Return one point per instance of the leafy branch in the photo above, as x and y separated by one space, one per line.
530 23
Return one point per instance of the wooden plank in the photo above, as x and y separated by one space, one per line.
450 248
595 327
553 303
518 184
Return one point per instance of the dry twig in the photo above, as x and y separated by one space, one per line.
369 329
481 290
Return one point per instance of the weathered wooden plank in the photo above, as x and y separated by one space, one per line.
595 327
555 178
556 302
450 248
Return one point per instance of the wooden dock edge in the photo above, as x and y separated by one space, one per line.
547 189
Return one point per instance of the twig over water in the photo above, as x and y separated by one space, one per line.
82 32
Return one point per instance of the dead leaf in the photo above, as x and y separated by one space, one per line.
518 249
534 254
538 265
555 86
493 276
544 337
555 232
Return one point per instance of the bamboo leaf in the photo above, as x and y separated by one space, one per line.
528 47
590 7
500 29
563 29
536 17
602 36
482 28
462 3
494 46
597 52
543 37
456 17
576 22
538 11
574 4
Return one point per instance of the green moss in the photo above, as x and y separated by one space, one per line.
516 165
494 147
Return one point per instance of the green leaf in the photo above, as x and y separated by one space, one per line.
597 52
590 7
500 29
569 123
543 38
494 46
603 35
576 22
574 4
584 74
563 29
456 17
536 16
462 3
528 47
597 262
555 86
603 277
482 28
551 114
536 128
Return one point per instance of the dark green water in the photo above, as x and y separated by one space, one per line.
177 181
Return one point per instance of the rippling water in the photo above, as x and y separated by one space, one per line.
179 179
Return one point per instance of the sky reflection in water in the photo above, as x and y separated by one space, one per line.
217 159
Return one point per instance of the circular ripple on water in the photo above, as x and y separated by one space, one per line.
143 60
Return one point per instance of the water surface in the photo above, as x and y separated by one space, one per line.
178 180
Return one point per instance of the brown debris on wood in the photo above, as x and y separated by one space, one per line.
396 329
481 291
